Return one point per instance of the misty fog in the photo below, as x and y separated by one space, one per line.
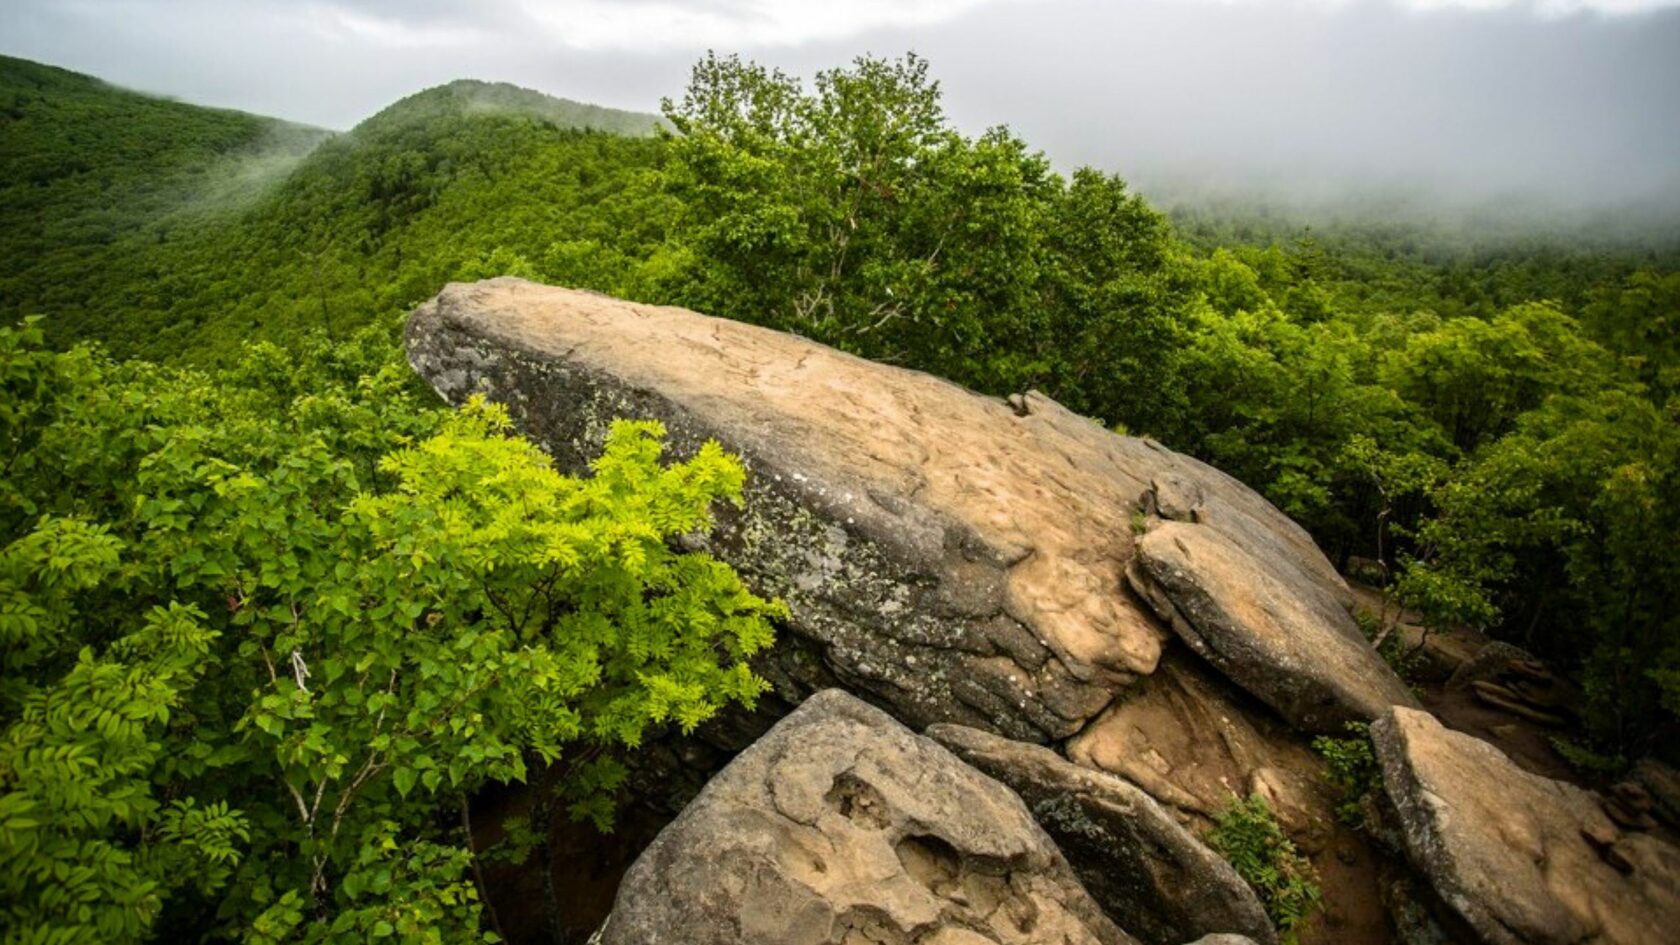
1309 104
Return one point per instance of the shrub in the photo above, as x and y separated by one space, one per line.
1246 833
1351 768
258 630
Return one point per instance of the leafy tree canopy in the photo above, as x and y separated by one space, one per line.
255 639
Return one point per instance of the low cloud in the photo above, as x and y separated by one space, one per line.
1575 102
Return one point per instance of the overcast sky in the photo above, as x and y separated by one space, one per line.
1473 99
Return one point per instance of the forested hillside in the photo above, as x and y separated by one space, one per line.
97 184
1494 428
210 252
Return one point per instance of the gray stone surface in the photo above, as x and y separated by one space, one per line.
842 826
1525 860
1149 873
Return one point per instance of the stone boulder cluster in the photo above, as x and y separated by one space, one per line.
1029 661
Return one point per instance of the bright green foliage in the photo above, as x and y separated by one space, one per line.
1351 768
1246 833
1556 525
253 640
854 214
1639 319
76 761
1474 377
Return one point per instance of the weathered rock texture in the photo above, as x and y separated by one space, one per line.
951 557
955 557
1189 741
842 826
1149 874
1524 859
1259 618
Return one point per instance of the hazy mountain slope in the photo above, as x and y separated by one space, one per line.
169 230
470 96
93 176
380 218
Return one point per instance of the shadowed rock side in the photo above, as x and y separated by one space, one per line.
1149 874
955 557
842 826
1525 860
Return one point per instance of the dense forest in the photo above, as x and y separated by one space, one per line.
1487 427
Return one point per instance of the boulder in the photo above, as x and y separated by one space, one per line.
1149 874
842 826
958 558
1266 625
1662 783
1523 859
1495 662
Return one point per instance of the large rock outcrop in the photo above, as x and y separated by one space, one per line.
951 557
1147 871
958 558
1523 859
842 826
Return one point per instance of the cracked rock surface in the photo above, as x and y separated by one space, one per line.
842 826
958 558
1190 741
1525 860
1149 873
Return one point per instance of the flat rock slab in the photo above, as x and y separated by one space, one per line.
1524 859
1288 640
959 558
842 826
1149 873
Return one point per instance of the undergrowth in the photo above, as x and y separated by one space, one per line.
1247 834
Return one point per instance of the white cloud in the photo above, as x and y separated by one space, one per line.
340 23
668 24
1544 8
657 25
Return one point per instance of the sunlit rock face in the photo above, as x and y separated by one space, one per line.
955 557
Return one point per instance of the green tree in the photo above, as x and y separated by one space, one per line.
1115 300
255 640
853 213
1550 528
